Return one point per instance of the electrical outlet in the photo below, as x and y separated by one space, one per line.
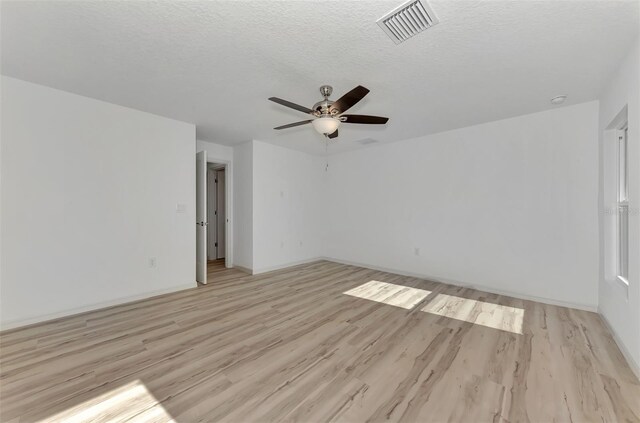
152 262
416 251
281 244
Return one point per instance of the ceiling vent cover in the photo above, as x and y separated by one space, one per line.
407 20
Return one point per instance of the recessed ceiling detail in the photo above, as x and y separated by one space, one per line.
408 20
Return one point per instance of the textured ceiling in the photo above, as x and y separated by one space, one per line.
216 63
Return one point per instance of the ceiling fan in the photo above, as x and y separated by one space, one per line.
328 114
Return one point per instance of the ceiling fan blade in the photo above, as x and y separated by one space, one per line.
291 125
350 98
291 105
371 120
334 134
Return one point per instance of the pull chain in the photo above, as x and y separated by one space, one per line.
326 154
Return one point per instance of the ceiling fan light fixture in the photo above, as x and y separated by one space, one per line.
326 115
326 125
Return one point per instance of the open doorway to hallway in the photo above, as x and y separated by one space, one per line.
213 210
216 217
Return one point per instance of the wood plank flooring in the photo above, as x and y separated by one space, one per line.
315 343
214 267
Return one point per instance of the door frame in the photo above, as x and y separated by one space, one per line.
201 216
228 207
221 213
211 197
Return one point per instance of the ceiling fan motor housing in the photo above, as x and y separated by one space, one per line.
323 108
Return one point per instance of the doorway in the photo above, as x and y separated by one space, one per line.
213 179
216 213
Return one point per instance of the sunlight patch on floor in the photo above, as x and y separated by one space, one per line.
388 293
478 312
122 403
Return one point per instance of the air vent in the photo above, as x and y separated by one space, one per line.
366 141
408 20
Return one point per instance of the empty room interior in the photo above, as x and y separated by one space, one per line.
311 211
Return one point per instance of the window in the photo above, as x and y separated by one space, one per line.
623 208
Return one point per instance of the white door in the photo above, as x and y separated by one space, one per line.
221 217
201 217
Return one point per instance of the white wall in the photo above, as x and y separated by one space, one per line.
287 204
89 194
215 152
243 205
621 307
508 206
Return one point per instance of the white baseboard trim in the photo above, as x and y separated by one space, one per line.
120 301
285 265
551 301
14 324
635 367
244 269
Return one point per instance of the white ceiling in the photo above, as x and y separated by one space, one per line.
216 63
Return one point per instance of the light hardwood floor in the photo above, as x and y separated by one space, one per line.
214 267
314 343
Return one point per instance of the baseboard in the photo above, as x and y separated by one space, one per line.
586 307
15 324
635 367
285 265
244 269
4 326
